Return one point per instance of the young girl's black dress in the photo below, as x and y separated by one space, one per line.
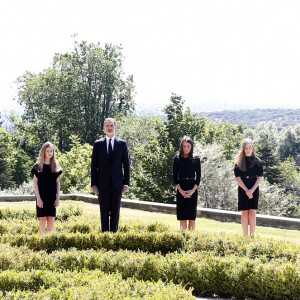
47 190
249 177
186 173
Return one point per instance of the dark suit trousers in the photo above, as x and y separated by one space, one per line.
110 202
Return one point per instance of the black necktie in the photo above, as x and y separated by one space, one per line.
110 149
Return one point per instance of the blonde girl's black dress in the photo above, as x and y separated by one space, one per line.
254 169
186 173
47 190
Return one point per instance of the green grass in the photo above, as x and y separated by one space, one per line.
203 225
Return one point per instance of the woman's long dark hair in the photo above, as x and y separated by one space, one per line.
186 139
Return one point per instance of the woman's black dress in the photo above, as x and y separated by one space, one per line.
47 190
249 177
186 173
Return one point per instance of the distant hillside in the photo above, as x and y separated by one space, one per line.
281 117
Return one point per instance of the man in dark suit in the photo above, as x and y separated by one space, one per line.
110 173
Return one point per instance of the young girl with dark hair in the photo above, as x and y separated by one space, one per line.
186 175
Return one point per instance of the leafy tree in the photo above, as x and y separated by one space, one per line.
209 132
5 170
76 94
274 201
137 131
153 179
76 165
288 172
15 163
21 165
181 122
25 137
229 136
266 145
153 158
150 160
290 183
218 188
290 143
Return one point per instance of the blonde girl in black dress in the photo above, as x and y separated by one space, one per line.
186 176
248 172
46 186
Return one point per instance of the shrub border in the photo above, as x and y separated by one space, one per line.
208 213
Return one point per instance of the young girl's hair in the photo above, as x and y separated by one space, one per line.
186 139
55 167
240 160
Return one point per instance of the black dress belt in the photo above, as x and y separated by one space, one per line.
186 178
248 177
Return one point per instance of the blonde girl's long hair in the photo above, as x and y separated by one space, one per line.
55 167
240 160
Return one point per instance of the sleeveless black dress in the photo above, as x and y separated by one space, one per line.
47 190
249 177
187 173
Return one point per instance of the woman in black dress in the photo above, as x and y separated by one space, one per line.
186 175
248 172
46 186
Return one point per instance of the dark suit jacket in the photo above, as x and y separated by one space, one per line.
102 169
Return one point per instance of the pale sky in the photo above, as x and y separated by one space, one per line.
216 54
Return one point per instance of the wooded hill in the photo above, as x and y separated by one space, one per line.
281 117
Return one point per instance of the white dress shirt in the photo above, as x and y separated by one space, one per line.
112 142
112 145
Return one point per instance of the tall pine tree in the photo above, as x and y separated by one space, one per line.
266 145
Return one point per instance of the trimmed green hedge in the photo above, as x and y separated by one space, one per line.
164 242
206 273
71 262
80 224
84 285
8 214
151 242
63 213
252 247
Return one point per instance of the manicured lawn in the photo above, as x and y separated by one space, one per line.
202 224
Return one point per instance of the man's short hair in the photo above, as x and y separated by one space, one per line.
110 119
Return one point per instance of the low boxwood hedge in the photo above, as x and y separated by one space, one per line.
140 256
152 242
206 273
163 242
63 214
38 284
